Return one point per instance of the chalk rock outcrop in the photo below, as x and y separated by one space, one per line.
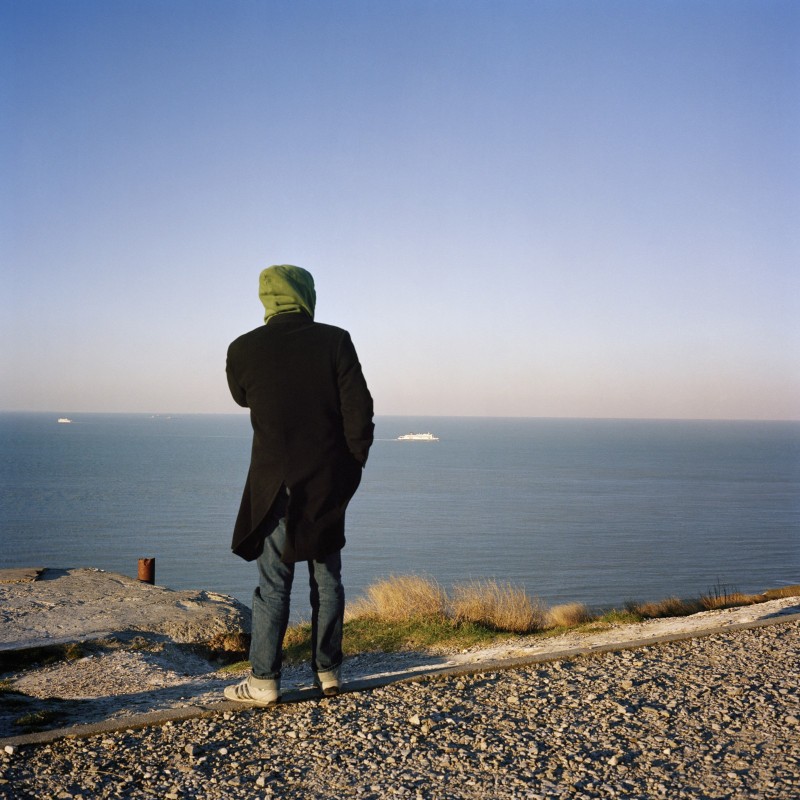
54 606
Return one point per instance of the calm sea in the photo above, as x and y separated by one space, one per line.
596 511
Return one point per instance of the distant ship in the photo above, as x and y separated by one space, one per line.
417 437
64 420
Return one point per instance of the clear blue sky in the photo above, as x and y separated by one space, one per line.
517 208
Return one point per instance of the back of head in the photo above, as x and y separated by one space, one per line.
285 288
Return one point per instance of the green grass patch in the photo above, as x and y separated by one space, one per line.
370 634
373 635
42 719
236 666
619 616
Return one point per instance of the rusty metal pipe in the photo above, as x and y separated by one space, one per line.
147 570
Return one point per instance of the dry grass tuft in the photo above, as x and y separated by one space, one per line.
783 591
500 606
669 607
568 615
709 602
228 648
400 599
230 642
409 608
720 596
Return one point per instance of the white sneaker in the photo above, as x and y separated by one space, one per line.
257 691
330 682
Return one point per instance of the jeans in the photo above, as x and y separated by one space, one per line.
271 608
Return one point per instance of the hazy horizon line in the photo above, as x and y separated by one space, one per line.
243 412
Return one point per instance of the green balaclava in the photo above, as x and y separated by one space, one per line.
285 288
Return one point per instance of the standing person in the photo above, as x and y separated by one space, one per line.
311 413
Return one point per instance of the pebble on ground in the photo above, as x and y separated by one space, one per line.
713 717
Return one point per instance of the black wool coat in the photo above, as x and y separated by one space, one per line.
311 413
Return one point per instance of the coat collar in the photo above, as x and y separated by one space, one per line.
288 317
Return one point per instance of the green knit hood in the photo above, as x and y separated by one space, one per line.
285 288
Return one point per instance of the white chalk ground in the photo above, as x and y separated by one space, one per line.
124 682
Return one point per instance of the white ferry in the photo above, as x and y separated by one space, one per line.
64 420
417 437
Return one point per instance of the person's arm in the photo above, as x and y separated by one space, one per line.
356 401
237 392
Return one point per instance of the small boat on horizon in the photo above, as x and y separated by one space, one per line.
64 420
417 437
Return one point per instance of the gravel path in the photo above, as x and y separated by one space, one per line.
714 717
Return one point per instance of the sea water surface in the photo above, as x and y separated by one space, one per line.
596 511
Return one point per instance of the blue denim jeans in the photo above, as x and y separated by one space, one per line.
271 608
